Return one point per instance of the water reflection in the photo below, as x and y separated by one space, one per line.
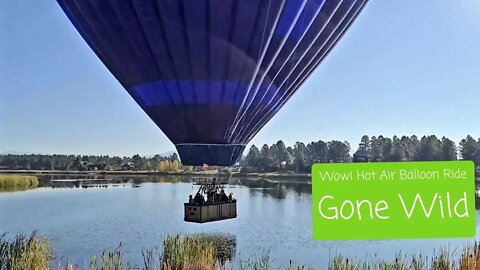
277 189
268 188
225 244
90 183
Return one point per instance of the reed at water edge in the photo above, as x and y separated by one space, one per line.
198 253
11 182
25 253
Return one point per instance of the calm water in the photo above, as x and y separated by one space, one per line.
271 216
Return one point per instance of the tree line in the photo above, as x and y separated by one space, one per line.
300 157
88 162
274 158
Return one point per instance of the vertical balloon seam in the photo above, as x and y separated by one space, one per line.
119 21
130 21
250 50
149 48
229 52
263 47
115 72
167 52
262 53
172 59
188 51
254 75
228 69
119 76
142 27
176 67
208 33
124 28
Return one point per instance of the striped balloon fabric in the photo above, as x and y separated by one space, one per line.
211 73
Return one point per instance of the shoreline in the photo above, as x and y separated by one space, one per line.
150 173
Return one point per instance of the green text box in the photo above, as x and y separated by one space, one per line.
393 200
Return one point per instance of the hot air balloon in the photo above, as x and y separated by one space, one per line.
211 73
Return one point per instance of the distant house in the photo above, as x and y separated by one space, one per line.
95 167
362 155
128 166
198 168
85 163
91 167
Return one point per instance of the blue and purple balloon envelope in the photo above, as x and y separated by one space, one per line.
211 73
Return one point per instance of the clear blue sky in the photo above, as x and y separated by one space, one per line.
404 67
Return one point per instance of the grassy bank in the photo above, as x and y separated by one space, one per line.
10 182
195 253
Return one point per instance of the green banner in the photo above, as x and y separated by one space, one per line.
393 200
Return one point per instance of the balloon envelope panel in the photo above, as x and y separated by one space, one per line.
211 73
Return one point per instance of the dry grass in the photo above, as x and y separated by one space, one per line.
190 253
109 261
468 259
25 253
257 262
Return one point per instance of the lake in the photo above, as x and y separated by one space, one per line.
273 216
